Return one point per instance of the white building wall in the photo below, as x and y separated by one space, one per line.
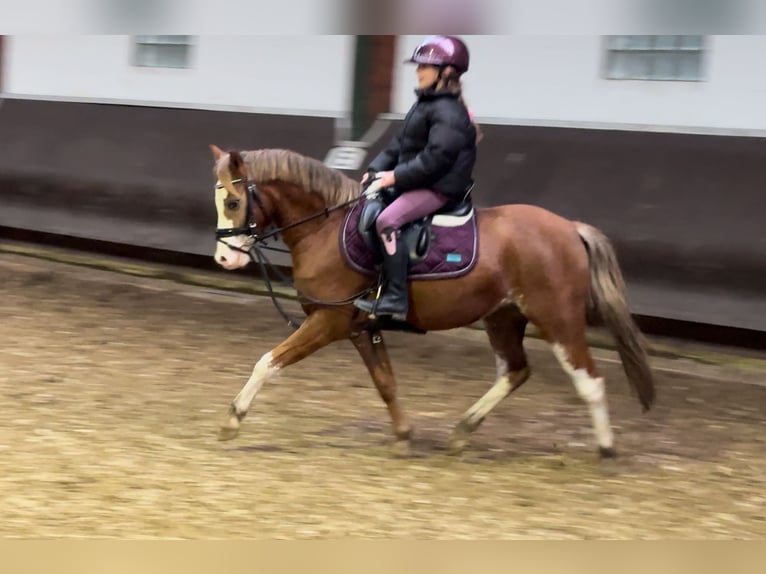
541 79
290 74
558 80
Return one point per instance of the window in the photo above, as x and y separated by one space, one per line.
162 51
654 57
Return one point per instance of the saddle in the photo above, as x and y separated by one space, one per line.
417 236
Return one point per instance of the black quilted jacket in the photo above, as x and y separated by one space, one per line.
436 147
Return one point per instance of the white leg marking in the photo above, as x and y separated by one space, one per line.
593 392
502 366
489 401
263 371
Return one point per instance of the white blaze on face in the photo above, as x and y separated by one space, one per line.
226 257
221 193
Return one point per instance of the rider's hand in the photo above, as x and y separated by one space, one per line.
386 178
365 177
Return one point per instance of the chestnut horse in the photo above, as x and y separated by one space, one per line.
532 265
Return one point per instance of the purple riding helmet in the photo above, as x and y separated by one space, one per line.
442 51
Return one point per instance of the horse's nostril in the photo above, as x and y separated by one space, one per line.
223 259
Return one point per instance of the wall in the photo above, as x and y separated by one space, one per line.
514 79
293 74
557 80
132 175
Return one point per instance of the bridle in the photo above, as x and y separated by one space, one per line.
256 242
250 227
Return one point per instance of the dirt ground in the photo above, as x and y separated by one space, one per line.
112 388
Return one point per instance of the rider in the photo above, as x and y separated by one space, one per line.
430 162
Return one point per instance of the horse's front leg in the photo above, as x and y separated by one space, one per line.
375 356
318 330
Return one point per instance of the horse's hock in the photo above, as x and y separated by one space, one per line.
685 212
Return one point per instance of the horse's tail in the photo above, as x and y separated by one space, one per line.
609 303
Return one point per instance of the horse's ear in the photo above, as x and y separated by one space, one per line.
217 152
235 161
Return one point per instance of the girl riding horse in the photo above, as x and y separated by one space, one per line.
430 162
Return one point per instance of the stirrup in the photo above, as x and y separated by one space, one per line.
370 306
374 316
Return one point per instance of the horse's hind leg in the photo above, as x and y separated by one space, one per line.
575 358
565 331
375 356
505 328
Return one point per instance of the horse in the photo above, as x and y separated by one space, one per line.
531 265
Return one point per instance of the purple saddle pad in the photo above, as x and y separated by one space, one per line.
452 251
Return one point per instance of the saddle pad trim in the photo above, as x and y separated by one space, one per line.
451 220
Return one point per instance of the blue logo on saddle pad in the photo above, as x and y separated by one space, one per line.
454 258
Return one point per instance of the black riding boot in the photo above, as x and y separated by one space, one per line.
393 301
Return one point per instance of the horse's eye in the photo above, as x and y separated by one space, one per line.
232 204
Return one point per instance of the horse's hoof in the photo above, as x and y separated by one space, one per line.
228 432
459 439
457 442
456 446
401 448
607 452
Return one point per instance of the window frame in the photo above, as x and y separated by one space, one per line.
609 50
137 42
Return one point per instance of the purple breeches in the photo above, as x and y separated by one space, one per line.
408 207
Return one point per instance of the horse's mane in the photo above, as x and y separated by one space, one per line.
291 167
